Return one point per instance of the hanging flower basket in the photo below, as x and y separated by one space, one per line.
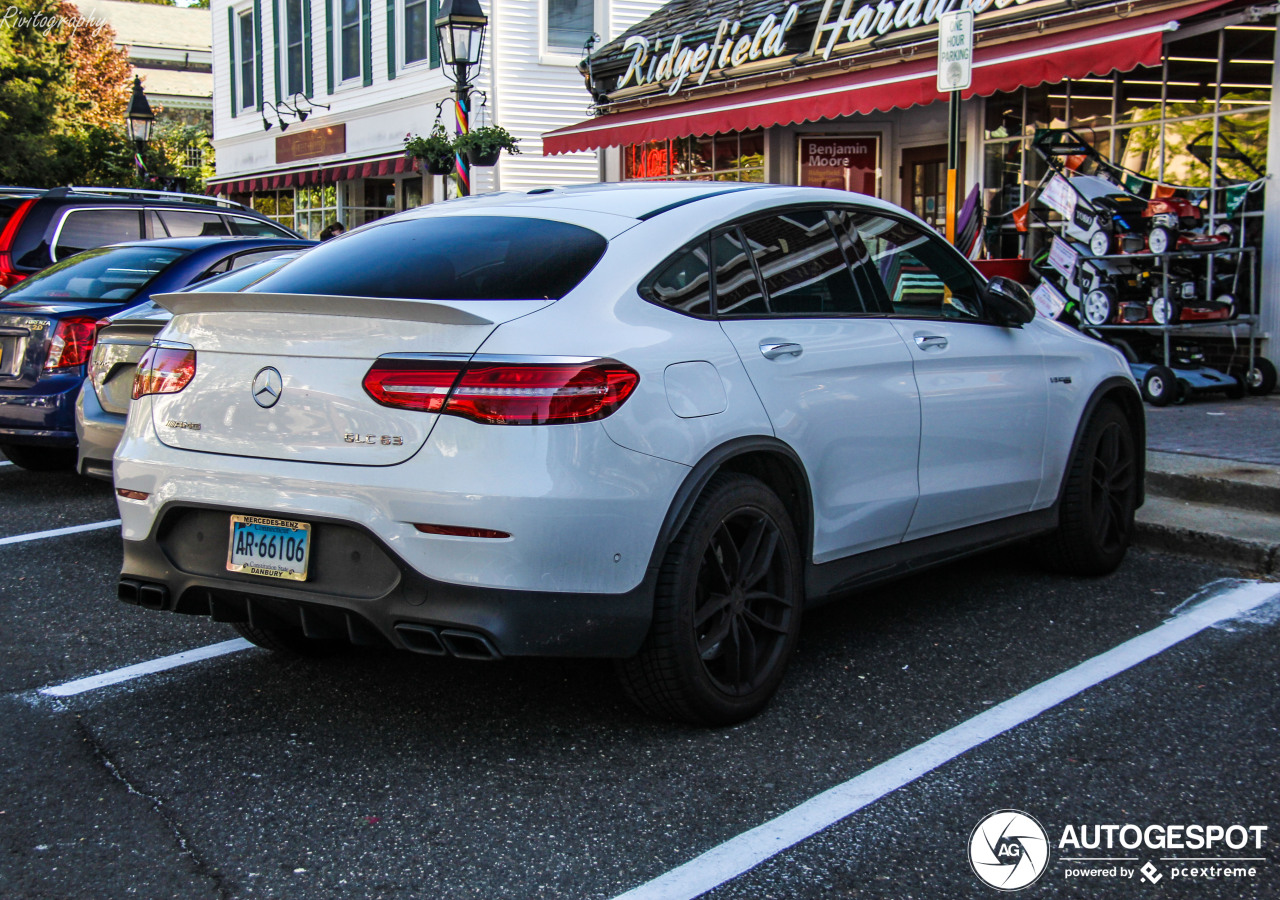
485 144
436 150
477 158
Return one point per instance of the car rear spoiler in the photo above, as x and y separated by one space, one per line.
443 312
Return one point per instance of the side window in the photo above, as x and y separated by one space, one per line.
921 275
569 24
256 228
684 283
193 224
84 229
155 225
738 290
803 268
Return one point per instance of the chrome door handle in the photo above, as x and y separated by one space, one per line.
930 341
774 349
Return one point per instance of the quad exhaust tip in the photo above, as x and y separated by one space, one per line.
446 642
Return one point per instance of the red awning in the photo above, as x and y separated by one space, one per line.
391 165
1119 45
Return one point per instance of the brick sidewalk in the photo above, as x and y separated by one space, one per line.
1247 430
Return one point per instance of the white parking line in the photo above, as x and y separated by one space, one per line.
5 462
72 529
93 682
749 849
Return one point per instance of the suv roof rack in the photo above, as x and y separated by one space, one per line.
143 194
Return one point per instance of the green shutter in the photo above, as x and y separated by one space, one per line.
391 40
434 44
275 44
328 42
366 27
231 53
307 61
257 48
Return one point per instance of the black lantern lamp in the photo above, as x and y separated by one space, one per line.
139 116
460 30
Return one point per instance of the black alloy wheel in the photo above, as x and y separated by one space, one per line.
1099 499
726 610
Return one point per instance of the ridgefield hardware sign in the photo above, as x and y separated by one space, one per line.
678 61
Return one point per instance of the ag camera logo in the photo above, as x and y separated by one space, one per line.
1008 850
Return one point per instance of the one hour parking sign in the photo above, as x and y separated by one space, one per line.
955 51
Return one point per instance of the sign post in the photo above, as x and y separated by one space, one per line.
955 74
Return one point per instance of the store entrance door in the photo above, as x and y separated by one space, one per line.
924 183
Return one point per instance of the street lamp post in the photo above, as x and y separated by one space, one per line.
460 31
139 119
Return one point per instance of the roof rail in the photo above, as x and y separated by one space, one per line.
157 195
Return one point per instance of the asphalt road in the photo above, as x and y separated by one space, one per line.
375 775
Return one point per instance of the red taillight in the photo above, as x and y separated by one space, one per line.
164 370
411 385
72 342
505 393
9 277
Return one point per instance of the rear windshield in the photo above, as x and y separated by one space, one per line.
446 258
107 274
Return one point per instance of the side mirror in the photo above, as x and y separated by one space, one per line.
1008 302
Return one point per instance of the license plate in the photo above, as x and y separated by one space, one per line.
275 548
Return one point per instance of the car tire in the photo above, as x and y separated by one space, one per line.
1099 498
285 639
1261 379
1160 386
722 634
40 459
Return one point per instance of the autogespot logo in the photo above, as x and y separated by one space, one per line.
1009 850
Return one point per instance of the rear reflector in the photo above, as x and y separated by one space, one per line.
72 342
132 495
460 531
504 393
164 370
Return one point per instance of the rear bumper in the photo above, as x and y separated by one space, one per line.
42 414
98 433
361 591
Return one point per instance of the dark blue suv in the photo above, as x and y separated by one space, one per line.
49 322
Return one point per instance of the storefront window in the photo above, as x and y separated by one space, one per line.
724 157
316 208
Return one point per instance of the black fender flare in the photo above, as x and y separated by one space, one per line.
717 460
1133 409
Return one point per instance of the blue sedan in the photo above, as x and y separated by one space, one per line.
49 323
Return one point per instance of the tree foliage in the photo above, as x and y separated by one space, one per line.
64 87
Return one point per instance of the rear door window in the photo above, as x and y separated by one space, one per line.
446 258
804 270
84 229
738 291
190 223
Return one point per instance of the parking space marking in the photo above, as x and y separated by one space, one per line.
93 682
57 532
5 462
746 851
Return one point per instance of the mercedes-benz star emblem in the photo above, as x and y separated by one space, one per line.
267 385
